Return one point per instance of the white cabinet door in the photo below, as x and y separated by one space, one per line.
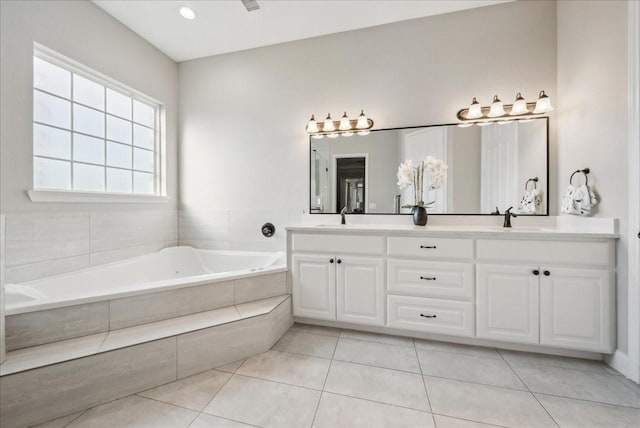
507 303
576 309
314 286
360 290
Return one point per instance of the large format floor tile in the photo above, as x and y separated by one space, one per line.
468 368
377 384
60 422
377 354
301 342
379 338
337 411
294 369
455 348
601 387
210 421
231 367
530 359
488 404
449 422
264 403
316 329
135 411
193 392
577 413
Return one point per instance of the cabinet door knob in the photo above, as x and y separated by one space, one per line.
428 316
536 272
330 260
339 261
428 246
546 273
428 278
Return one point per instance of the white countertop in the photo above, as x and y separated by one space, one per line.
529 232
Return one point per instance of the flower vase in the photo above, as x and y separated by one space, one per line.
419 215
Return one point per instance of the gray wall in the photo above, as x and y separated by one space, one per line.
48 238
242 115
592 114
463 181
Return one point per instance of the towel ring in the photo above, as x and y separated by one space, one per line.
585 172
535 183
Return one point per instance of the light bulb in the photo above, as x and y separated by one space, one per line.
328 124
333 135
363 133
465 125
497 109
519 106
484 123
317 137
475 111
543 105
187 13
345 124
504 122
312 126
347 134
363 122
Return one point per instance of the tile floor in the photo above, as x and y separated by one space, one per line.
327 377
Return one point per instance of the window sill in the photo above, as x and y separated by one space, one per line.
91 197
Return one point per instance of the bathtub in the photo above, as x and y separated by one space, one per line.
170 268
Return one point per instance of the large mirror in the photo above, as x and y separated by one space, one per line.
493 166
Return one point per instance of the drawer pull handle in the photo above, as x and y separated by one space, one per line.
428 316
536 272
330 260
428 278
546 273
428 246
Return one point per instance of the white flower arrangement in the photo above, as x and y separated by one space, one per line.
410 174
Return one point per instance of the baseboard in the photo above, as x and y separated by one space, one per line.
618 361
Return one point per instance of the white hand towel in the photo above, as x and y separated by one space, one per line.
530 202
578 200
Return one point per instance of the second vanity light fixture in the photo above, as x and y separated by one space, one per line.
334 128
498 112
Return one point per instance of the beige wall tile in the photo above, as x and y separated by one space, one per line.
36 328
260 287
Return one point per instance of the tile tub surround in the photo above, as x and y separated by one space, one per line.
290 387
57 389
42 244
39 327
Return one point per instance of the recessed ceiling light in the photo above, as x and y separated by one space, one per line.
187 13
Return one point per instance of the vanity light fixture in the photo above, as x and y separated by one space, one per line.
187 13
497 108
520 110
333 128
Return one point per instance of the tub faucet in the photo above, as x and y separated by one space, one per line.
507 217
342 213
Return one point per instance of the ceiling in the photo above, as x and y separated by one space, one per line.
225 26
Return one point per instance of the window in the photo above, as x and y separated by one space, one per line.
91 134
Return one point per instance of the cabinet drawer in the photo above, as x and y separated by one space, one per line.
431 315
431 279
338 243
430 248
552 252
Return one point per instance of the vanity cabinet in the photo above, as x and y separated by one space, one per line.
507 303
541 290
330 284
563 298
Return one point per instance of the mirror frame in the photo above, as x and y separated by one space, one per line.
546 213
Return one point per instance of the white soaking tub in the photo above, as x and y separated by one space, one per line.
170 268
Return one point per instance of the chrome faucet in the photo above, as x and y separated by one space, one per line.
507 217
342 213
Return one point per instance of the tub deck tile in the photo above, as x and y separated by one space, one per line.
51 353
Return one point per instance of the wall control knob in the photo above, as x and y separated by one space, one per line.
536 272
546 273
330 260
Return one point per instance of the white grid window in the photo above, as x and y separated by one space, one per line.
91 135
